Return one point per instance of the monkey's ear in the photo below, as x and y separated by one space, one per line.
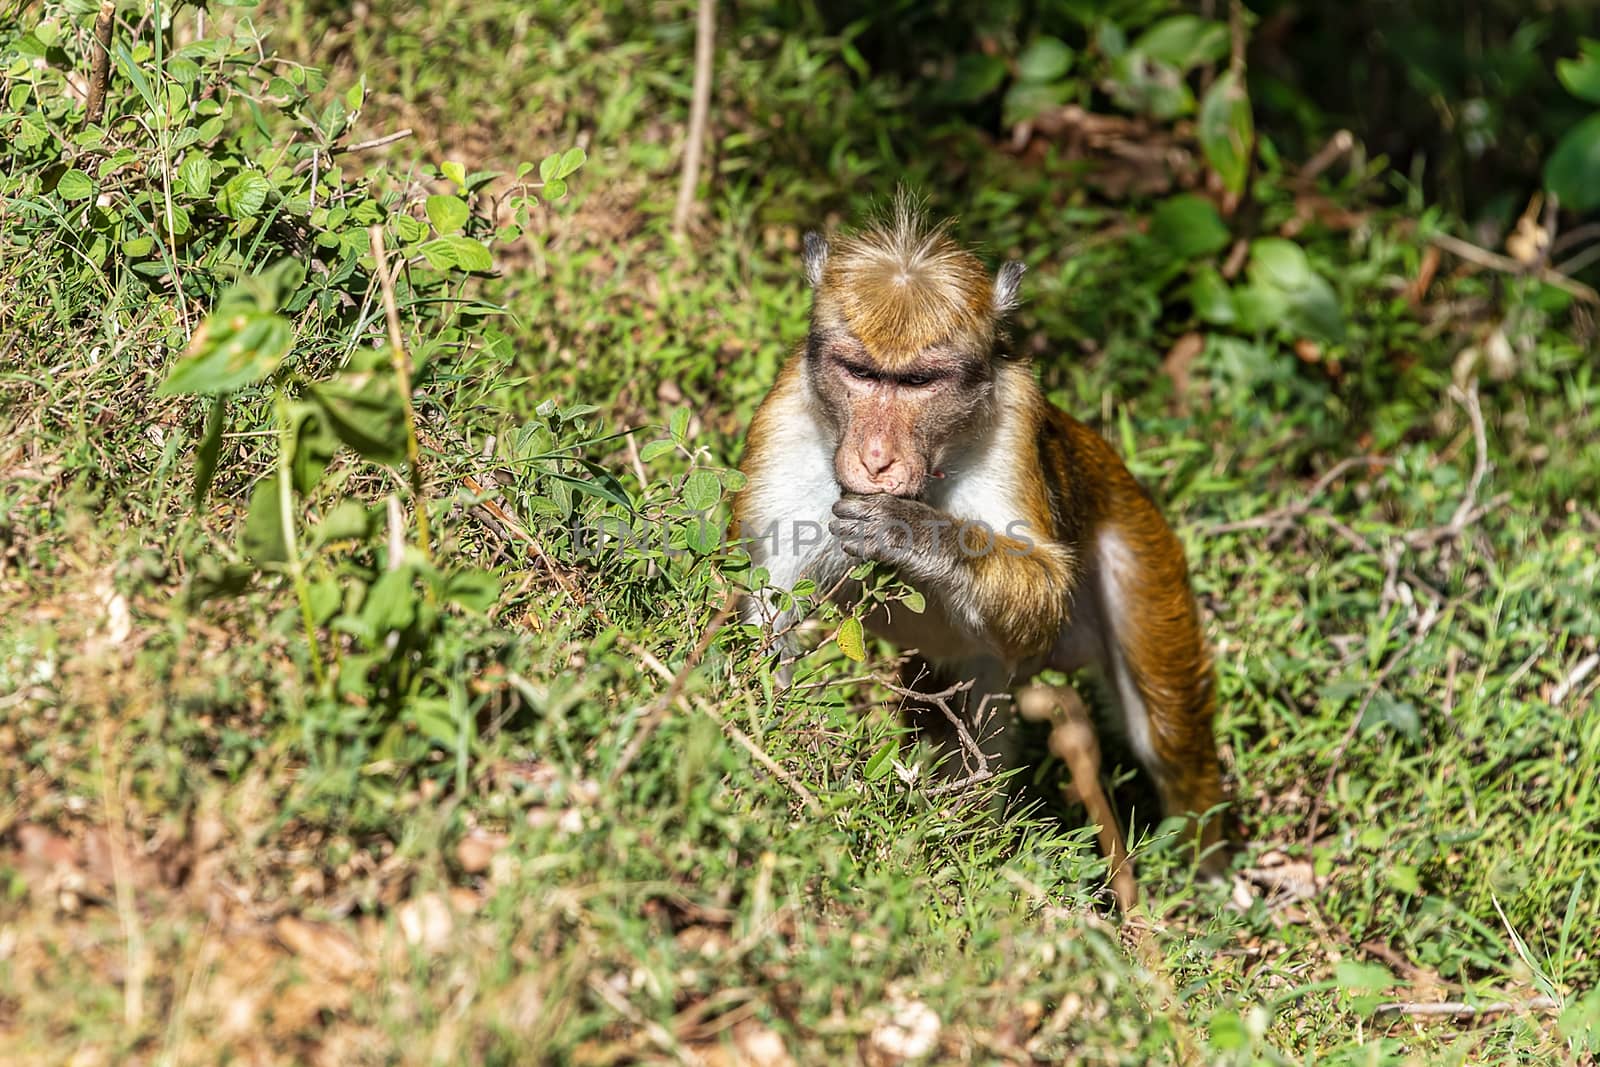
1006 284
816 257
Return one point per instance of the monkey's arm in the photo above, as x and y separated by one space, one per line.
1010 588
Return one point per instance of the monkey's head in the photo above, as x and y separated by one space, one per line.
905 324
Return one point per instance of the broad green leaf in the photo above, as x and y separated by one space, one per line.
914 601
678 424
702 490
356 95
391 602
205 457
554 189
347 521
1573 170
1024 101
656 449
1148 86
410 229
1189 226
1184 41
852 640
975 77
1399 715
236 346
195 174
1354 976
1581 76
1046 59
454 171
75 185
1280 262
262 539
548 166
138 247
314 444
364 410
1212 301
1227 131
1284 286
244 195
447 213
571 160
456 251
474 589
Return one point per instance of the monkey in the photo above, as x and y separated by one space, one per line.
904 430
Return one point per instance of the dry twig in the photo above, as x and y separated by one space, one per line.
100 68
1506 265
699 108
401 360
1458 1009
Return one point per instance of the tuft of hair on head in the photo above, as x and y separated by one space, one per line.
903 283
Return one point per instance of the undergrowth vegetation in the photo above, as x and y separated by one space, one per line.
367 687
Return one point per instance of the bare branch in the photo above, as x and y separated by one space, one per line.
699 108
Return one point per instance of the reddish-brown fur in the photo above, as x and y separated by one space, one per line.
907 371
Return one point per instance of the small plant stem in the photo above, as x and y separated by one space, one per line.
100 66
402 371
297 571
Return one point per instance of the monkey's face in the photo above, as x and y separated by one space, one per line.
904 325
895 426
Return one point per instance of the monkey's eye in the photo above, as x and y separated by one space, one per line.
860 373
916 381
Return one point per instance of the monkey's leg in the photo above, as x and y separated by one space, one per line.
1157 663
1072 740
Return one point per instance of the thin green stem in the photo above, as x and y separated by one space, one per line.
297 571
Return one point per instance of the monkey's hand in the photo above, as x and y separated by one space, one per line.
910 536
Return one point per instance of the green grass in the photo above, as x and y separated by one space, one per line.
206 854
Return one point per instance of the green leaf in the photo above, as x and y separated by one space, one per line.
1280 262
1399 715
473 589
548 167
1189 226
571 160
975 77
1227 131
205 457
1024 101
454 171
881 761
554 189
262 537
852 640
1212 301
656 449
1046 59
195 174
364 410
678 424
447 213
1145 85
75 185
1573 170
1184 41
1284 285
348 521
391 602
1354 976
914 601
314 445
456 251
1581 76
410 229
236 346
702 491
244 195
356 95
